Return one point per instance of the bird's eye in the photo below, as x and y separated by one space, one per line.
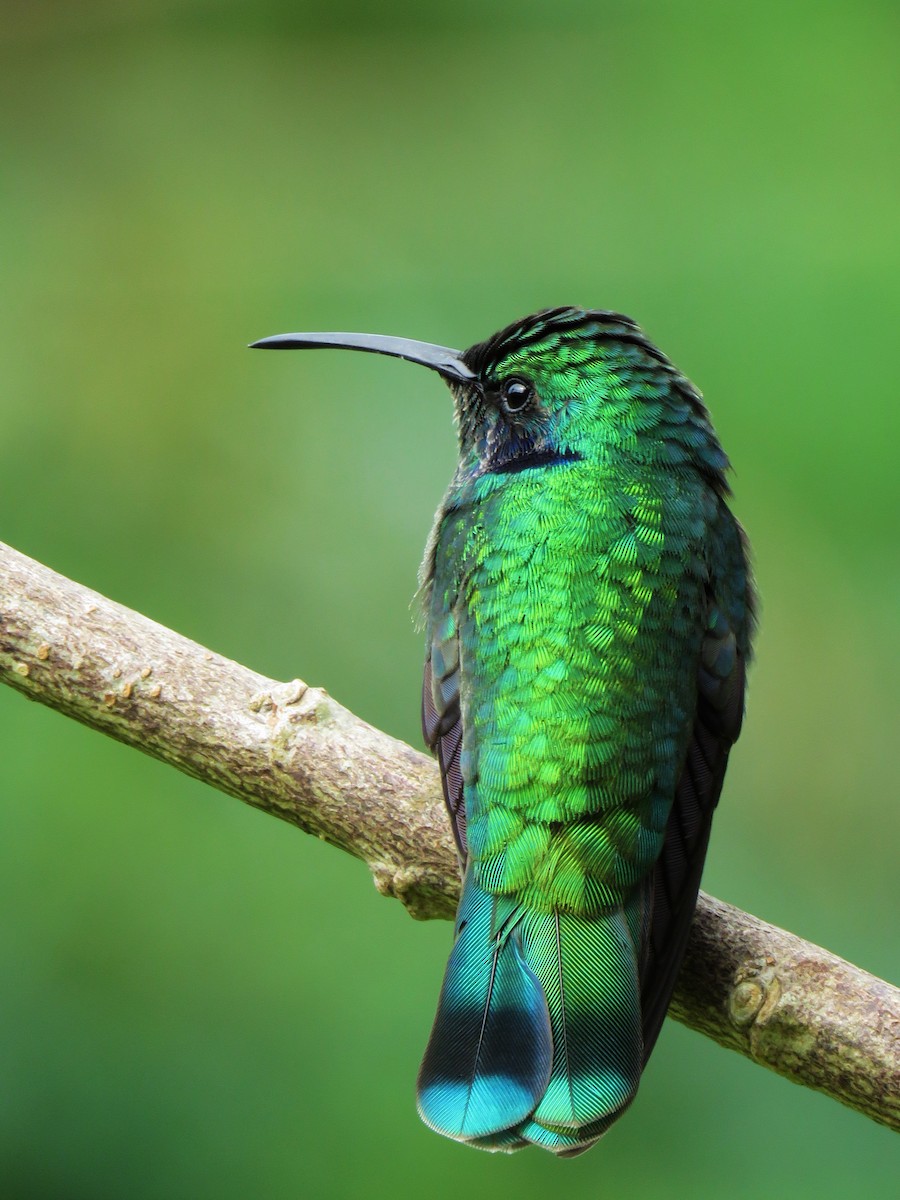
515 395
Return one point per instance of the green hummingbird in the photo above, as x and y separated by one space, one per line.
589 611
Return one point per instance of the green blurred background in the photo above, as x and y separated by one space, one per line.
195 1000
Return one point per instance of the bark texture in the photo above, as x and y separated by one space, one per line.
293 751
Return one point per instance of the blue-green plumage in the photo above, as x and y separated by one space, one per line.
489 1060
589 613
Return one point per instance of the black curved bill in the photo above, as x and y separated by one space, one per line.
442 359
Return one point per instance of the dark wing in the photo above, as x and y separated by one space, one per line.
676 878
442 729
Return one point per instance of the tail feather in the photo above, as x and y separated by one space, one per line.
538 1032
490 1052
588 969
505 1142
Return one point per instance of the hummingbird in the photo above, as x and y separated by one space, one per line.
588 611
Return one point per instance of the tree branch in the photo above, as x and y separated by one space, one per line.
294 752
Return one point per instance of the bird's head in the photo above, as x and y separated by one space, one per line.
565 384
